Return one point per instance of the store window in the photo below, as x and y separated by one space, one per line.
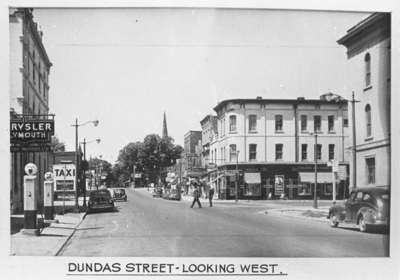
278 151
253 152
370 164
252 123
278 122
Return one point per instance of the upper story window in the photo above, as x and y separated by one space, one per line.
317 123
319 151
331 151
331 123
303 121
278 151
303 151
232 123
232 152
345 122
253 152
368 120
278 122
252 123
367 61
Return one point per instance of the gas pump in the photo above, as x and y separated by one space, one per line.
49 198
30 200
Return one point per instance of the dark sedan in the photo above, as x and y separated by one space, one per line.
100 200
364 208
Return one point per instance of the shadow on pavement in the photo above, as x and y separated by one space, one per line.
79 229
371 229
52 235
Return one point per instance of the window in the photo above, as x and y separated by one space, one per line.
319 151
370 163
303 120
278 122
345 122
368 120
278 151
253 152
317 123
232 123
331 123
252 123
303 151
232 152
367 61
331 151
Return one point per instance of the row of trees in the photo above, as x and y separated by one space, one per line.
150 157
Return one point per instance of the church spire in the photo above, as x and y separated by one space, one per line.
165 131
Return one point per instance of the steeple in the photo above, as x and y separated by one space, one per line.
165 131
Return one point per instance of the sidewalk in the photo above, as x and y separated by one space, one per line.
50 240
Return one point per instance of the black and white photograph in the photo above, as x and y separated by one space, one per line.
199 132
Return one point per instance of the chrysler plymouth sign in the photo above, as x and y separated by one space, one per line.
31 131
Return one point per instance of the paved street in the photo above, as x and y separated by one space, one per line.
154 227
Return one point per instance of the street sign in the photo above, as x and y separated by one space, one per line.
64 176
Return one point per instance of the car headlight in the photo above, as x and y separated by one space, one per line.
379 203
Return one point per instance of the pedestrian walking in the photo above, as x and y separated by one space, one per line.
196 196
211 194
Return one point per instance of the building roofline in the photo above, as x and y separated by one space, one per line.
279 101
362 26
206 117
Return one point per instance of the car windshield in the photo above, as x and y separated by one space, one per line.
120 191
104 193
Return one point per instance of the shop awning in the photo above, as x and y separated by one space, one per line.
309 177
252 178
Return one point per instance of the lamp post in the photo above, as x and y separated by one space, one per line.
84 158
315 203
76 125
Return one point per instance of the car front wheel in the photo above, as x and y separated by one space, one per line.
333 221
362 224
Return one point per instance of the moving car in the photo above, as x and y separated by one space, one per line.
119 194
100 200
158 192
364 208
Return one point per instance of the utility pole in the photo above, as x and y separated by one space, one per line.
353 125
76 165
84 183
315 203
134 167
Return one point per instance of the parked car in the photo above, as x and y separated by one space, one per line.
157 192
100 200
119 194
364 208
172 194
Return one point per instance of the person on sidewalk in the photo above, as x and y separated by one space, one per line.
211 194
196 196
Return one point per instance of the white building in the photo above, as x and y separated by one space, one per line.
368 52
270 140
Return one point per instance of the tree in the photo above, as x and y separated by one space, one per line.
57 145
149 156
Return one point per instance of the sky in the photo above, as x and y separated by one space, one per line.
126 67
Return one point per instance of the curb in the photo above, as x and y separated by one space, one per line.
70 236
280 212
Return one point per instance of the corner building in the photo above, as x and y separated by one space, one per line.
271 144
368 52
29 96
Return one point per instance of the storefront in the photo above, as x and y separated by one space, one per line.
274 181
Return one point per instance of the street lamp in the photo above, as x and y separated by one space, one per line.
84 158
76 125
315 203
